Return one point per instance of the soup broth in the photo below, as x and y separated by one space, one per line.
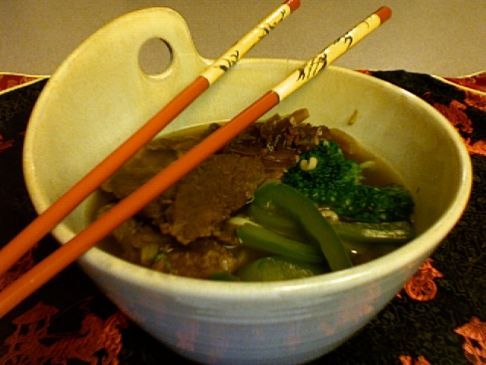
192 229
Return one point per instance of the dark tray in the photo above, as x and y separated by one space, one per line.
438 318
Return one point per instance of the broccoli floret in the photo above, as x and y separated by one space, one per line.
336 182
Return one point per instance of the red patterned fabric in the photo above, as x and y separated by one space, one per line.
10 80
90 330
34 341
476 81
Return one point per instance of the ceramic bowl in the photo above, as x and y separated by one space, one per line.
100 95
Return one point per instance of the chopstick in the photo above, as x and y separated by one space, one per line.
100 228
46 221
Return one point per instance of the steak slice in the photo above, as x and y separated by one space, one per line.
201 259
149 161
210 194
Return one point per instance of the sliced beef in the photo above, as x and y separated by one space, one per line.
138 241
209 195
143 244
201 259
138 170
181 142
157 155
279 141
182 231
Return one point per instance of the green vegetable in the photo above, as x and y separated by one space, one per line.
336 182
265 240
284 200
148 253
223 276
276 222
387 232
278 268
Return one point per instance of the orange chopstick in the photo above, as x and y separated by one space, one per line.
130 205
45 222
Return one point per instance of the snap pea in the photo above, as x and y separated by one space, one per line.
272 268
283 199
386 232
265 240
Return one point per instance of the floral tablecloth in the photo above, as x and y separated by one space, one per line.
438 318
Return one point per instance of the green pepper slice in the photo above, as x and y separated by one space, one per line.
385 232
265 240
285 200
273 268
276 222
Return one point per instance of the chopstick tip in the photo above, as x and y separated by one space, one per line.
293 4
384 13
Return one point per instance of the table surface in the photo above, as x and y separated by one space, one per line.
443 37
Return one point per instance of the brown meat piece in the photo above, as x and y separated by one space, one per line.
132 236
201 259
194 211
137 171
209 195
279 140
149 161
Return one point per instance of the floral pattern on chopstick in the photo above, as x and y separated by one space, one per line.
319 62
243 45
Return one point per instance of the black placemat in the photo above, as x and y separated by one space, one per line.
439 317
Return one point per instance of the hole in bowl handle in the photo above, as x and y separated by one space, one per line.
170 27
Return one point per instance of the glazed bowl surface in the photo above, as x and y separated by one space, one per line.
99 96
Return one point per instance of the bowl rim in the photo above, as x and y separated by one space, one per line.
401 258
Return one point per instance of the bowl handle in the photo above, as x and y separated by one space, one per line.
112 53
138 27
110 60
